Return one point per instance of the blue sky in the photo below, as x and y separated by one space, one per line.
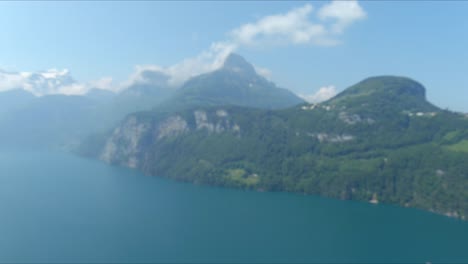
426 41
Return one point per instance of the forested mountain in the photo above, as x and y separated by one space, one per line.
379 141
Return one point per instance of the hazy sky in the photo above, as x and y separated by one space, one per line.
302 46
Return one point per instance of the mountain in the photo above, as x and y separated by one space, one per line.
59 120
12 100
62 121
235 83
378 141
144 94
100 95
400 93
49 120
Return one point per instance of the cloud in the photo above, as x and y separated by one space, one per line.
207 61
71 89
324 93
138 76
9 80
52 81
344 13
292 27
105 83
266 73
299 26
76 88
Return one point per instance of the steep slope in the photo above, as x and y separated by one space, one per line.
411 155
236 83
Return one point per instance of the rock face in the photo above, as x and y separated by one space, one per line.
125 142
220 124
129 141
172 126
330 138
352 119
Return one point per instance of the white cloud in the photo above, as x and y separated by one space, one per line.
344 13
105 83
75 88
206 61
52 81
299 26
54 73
10 80
266 73
39 83
138 75
324 93
293 27
71 89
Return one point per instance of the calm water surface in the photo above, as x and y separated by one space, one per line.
56 207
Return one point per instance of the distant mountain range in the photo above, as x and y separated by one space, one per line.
63 120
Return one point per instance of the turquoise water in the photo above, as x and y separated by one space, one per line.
56 207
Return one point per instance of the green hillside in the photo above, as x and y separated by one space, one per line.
379 140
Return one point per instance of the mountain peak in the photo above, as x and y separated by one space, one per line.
401 92
236 63
395 84
236 83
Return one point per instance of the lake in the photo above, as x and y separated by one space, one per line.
57 207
